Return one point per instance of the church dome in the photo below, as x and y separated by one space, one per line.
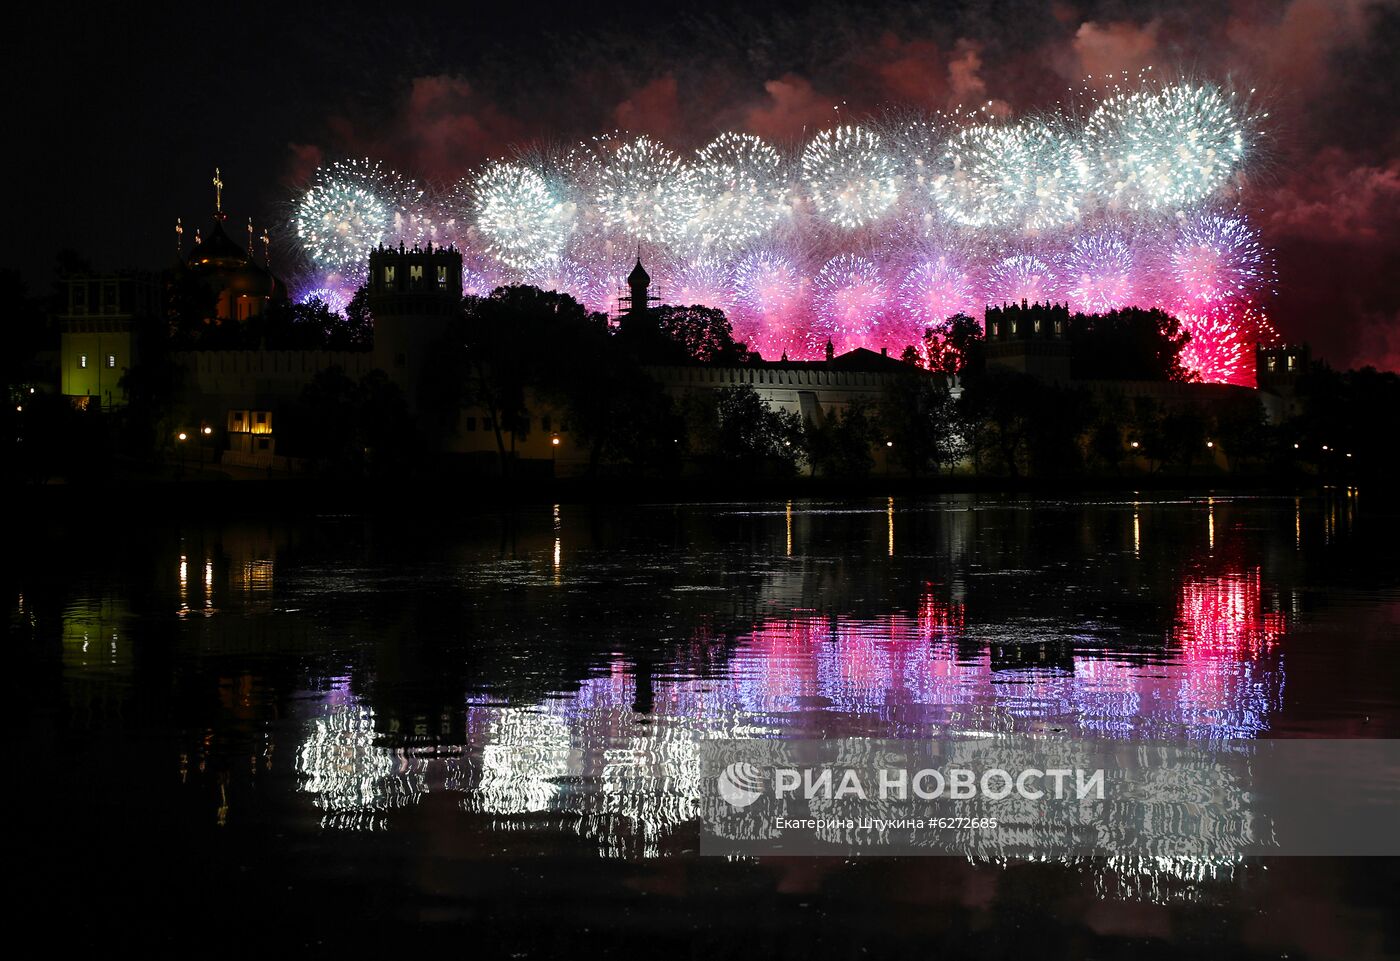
227 268
218 250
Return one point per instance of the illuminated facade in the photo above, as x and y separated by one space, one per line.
98 333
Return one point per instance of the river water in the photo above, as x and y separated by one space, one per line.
480 731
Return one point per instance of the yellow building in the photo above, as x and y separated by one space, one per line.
97 333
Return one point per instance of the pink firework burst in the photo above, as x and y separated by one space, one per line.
935 289
850 300
705 282
1100 274
1022 277
1216 259
769 299
1221 350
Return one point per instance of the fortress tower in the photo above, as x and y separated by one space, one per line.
413 295
1032 339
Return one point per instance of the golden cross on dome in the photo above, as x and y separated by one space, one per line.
218 192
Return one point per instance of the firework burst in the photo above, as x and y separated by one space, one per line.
852 180
742 193
850 300
1216 258
1100 273
1165 149
703 281
336 299
524 220
937 288
1022 277
646 192
350 208
572 278
1217 352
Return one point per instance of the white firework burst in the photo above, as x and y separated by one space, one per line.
646 192
524 219
850 176
738 178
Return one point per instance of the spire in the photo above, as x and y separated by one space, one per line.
830 350
218 195
179 239
250 238
267 249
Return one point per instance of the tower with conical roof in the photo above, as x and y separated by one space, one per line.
639 283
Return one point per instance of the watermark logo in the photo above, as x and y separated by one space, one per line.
741 784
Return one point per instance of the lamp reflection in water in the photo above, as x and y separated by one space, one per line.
558 545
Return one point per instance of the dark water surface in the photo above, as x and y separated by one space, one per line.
345 735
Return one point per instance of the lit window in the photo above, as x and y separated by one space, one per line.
82 360
111 360
262 417
388 275
415 274
442 278
1290 363
1013 328
1273 363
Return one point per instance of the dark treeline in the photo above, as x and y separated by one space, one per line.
193 324
522 349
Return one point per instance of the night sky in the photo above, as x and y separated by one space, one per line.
124 112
